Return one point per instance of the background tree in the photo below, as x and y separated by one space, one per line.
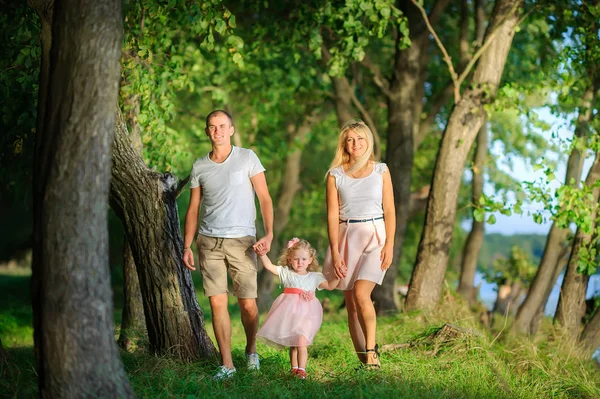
72 301
464 122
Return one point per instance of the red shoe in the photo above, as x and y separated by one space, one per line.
301 374
294 371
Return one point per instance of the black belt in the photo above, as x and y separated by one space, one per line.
361 220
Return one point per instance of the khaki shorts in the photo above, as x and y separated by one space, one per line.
217 255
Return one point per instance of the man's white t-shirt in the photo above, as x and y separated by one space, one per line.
227 193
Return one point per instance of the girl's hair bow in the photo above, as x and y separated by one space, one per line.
293 242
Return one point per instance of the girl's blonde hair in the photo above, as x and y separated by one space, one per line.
295 244
341 155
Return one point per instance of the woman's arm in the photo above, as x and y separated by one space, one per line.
333 226
389 215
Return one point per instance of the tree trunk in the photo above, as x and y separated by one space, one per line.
590 337
145 201
508 298
558 268
525 321
133 325
466 119
571 303
76 353
475 238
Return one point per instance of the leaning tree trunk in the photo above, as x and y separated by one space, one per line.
466 119
466 285
76 352
571 303
404 98
133 324
590 337
145 201
558 268
525 322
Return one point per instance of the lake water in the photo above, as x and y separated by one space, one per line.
487 295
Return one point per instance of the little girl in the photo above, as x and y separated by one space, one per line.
296 315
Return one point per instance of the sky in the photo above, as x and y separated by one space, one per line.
523 224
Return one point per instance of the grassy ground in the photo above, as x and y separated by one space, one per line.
484 365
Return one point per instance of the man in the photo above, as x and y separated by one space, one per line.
225 180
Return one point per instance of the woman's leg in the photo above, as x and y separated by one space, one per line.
356 332
366 315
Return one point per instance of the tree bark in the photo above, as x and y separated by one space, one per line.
558 268
590 337
525 322
145 201
474 241
466 119
76 353
133 325
571 303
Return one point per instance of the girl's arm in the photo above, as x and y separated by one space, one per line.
333 226
389 216
268 264
329 284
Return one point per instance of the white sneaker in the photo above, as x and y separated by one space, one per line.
253 361
224 373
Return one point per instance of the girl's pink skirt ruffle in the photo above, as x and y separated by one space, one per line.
292 321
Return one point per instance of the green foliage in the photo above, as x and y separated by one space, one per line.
517 268
19 73
160 51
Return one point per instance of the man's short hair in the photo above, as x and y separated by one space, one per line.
218 112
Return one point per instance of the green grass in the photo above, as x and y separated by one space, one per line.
488 365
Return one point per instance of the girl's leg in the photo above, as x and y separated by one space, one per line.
366 315
356 332
302 357
294 357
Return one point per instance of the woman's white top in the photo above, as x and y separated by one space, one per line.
360 198
307 282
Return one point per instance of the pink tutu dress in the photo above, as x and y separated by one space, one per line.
296 315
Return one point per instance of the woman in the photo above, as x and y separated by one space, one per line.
361 224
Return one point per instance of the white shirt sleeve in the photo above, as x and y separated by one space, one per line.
255 167
318 279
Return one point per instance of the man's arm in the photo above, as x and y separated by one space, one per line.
259 182
191 223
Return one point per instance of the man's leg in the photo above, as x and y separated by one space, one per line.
222 327
249 312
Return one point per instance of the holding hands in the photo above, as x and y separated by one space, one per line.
263 245
340 268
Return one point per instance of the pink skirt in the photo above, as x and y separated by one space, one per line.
292 321
360 246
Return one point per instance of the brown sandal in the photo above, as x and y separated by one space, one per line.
374 354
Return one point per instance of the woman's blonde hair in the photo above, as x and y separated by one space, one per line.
295 244
341 155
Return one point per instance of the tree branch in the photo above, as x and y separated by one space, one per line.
445 54
378 77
